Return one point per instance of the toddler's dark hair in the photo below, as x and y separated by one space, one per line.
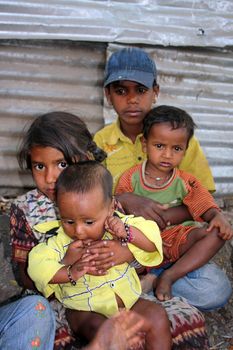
83 176
63 131
177 117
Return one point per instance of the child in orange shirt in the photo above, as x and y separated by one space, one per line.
166 134
131 87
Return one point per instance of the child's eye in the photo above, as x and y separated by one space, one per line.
62 165
38 166
89 222
142 89
159 146
67 221
177 148
120 91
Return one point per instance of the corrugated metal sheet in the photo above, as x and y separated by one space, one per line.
155 22
38 76
200 81
42 77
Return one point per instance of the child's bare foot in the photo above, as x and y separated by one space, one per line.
163 287
147 282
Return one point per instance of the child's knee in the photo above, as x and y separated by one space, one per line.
156 313
197 234
202 232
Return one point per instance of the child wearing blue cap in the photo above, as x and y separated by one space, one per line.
131 87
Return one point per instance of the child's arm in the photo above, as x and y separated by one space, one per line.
46 268
152 210
216 219
73 272
77 263
176 215
128 234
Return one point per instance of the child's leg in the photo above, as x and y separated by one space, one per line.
27 323
84 323
157 328
199 248
147 282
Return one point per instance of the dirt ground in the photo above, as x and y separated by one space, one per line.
219 323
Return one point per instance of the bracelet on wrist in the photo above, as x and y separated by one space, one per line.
72 281
129 236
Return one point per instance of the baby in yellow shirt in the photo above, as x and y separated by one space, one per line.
84 199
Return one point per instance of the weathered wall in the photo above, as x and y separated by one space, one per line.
154 22
39 77
52 56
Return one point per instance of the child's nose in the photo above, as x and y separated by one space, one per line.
78 230
167 153
132 98
51 176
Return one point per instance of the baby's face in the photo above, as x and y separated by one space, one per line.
83 215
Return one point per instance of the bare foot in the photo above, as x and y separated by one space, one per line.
124 331
163 287
147 282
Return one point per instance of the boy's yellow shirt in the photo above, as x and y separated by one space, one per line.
124 154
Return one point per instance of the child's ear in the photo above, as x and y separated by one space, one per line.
156 93
143 140
108 95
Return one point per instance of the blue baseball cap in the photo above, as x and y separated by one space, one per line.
131 64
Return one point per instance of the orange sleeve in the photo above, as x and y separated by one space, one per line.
198 200
125 184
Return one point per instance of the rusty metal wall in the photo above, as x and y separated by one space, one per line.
199 80
154 22
191 41
39 77
43 76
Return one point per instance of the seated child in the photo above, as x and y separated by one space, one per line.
131 88
84 199
166 134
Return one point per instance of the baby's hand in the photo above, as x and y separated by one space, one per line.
74 253
115 226
225 229
84 265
